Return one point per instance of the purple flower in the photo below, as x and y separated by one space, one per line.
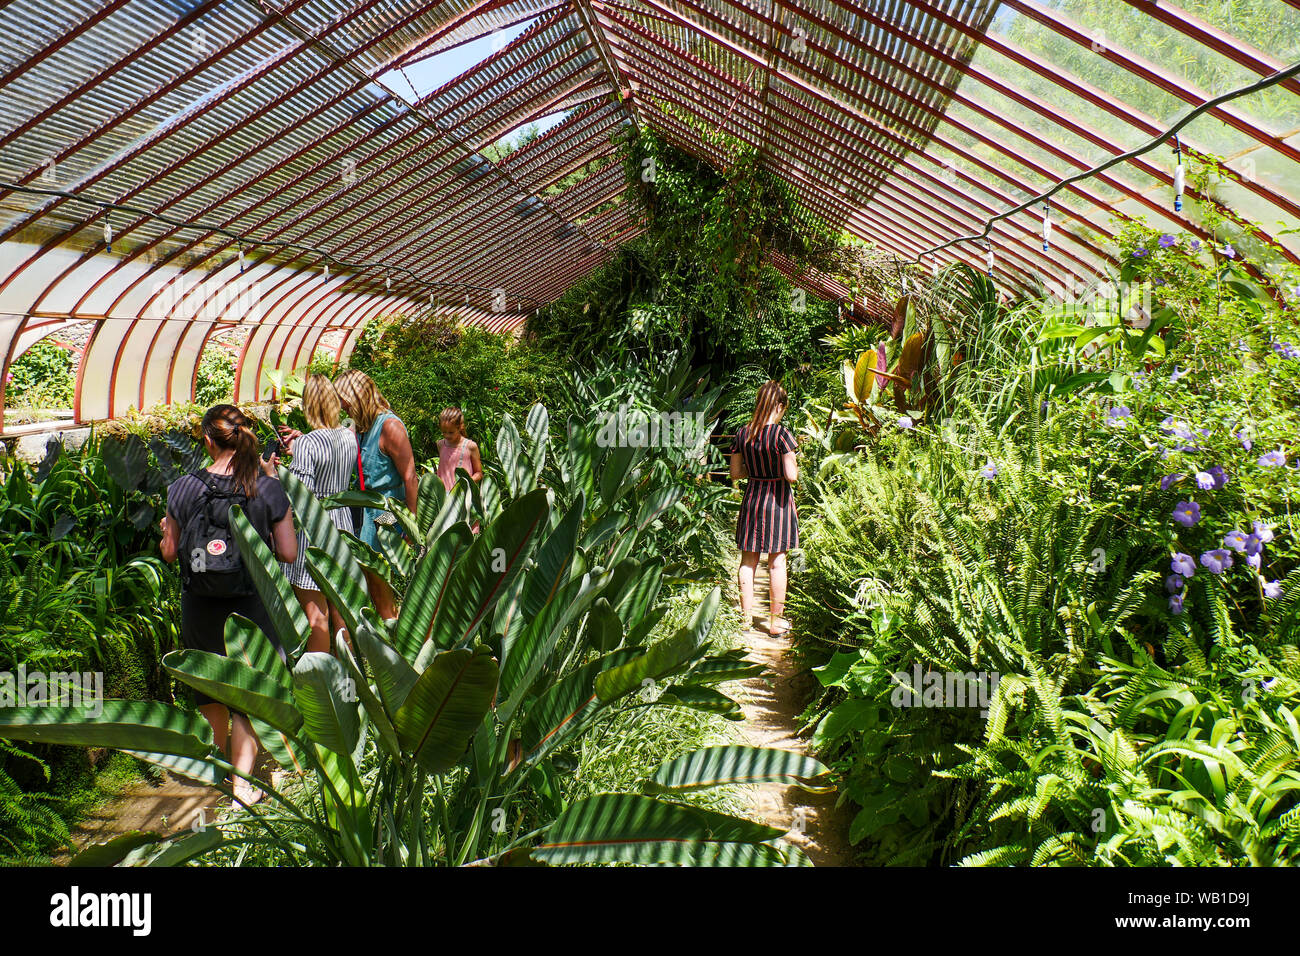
1272 589
1182 564
1217 561
1236 540
1286 350
1176 603
1262 531
1168 480
989 471
1187 513
1167 240
1194 245
1253 561
1158 282
1219 475
1252 545
1174 583
905 422
1139 253
1272 459
1116 416
1229 252
1204 480
1244 438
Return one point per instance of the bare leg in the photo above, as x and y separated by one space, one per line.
243 754
317 610
219 717
745 575
336 625
776 572
382 595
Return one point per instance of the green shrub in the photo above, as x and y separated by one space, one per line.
42 377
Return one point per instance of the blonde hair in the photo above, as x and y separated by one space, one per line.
360 396
453 418
320 402
771 396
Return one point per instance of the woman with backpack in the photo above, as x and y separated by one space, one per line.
214 583
386 465
324 460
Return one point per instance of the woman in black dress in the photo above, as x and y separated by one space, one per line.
764 452
238 474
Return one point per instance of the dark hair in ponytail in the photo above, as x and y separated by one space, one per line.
229 428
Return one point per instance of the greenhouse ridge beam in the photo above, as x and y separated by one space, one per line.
225 127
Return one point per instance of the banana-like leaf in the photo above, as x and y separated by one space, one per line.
246 643
485 573
427 592
177 850
563 708
631 828
537 428
123 725
282 607
510 453
393 673
735 764
716 670
526 653
318 527
339 588
583 456
446 706
284 748
320 690
616 474
706 699
490 495
385 733
664 658
197 770
552 568
115 850
604 629
126 460
634 596
433 495
455 510
656 503
236 685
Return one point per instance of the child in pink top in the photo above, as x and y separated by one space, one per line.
455 450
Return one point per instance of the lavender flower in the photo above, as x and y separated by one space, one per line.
1273 459
1194 245
1168 480
1262 531
905 422
1182 564
1187 513
1116 416
1236 540
1167 240
1219 475
1244 438
1229 252
1286 350
1217 561
1139 253
1176 604
1253 544
1177 374
1174 583
1272 589
989 471
1253 560
1204 480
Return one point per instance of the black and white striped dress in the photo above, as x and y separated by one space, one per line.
768 523
323 460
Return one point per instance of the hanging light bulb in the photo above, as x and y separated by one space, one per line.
988 257
327 272
388 282
1047 223
934 266
108 234
1179 175
241 259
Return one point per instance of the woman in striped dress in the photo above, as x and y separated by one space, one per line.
763 451
323 460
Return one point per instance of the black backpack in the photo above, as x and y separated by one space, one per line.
210 561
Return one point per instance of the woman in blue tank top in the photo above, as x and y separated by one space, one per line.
387 465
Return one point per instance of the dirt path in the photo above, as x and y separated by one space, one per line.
772 707
167 805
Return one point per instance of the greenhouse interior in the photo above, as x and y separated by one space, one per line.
795 433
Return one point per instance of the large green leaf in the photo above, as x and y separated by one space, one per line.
236 685
321 689
707 699
484 574
318 526
583 457
664 658
385 733
528 651
191 768
115 850
340 589
126 460
630 828
393 672
426 593
282 607
565 707
537 428
554 561
736 764
509 449
123 725
246 643
446 706
433 494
